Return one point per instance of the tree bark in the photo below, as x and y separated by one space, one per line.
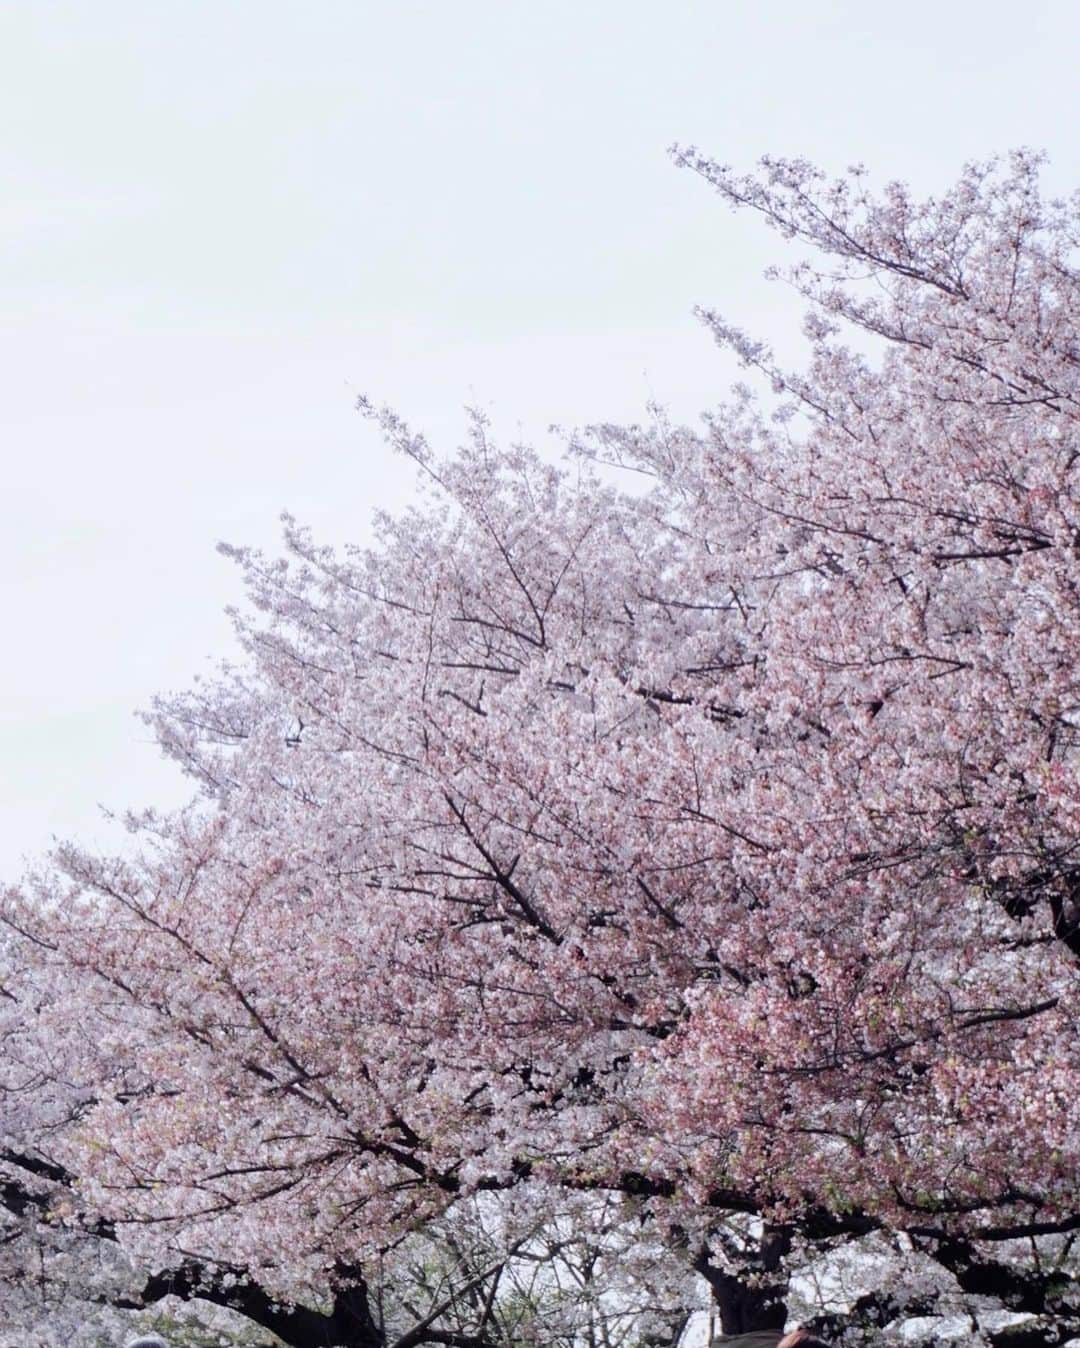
751 1300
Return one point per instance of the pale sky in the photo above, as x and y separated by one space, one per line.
222 219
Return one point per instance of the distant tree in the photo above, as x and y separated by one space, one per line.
713 842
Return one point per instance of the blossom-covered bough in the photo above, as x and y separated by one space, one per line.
710 840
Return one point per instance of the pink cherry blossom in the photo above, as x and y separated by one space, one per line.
714 840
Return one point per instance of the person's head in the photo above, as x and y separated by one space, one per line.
802 1338
147 1341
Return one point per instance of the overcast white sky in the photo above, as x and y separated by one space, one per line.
221 219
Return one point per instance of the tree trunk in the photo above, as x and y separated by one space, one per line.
750 1300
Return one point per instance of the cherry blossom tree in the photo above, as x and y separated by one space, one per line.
694 820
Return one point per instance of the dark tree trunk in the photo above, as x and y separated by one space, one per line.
750 1301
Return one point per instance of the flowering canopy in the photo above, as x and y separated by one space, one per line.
713 840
